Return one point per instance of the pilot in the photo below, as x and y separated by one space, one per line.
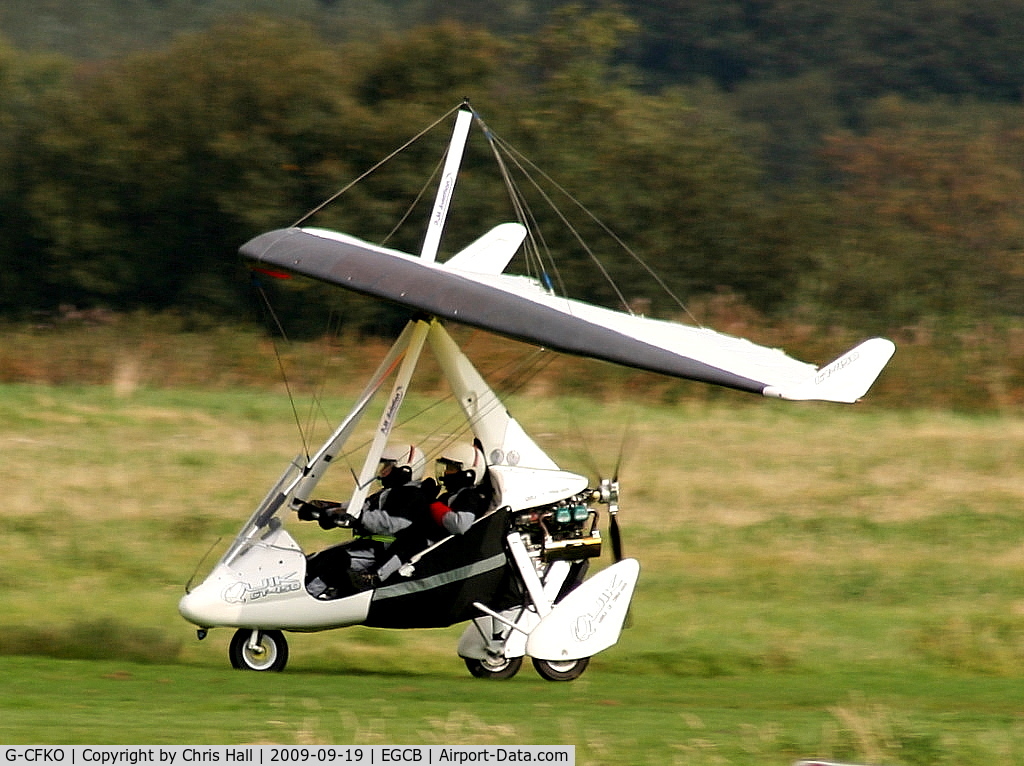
403 494
401 503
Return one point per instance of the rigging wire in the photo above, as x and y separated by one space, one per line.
534 233
527 369
520 371
536 243
316 404
521 161
271 314
373 169
501 148
415 202
505 154
573 230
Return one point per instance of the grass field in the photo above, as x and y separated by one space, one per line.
818 581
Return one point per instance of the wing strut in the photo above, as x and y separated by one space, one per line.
390 415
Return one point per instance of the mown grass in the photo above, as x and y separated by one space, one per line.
817 581
611 717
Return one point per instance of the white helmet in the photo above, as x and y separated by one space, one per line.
462 458
404 456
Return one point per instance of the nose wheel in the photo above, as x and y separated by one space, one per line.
262 650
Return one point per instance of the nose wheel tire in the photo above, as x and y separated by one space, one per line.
498 668
268 653
569 670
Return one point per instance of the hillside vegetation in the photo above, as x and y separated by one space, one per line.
830 169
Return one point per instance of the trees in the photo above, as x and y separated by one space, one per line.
930 213
151 170
27 84
867 47
130 183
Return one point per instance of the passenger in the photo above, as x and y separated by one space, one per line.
461 470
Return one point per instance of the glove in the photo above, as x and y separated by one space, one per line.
328 520
308 512
346 521
315 509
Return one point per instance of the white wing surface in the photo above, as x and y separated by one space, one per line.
469 290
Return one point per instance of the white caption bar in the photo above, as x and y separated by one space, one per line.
281 755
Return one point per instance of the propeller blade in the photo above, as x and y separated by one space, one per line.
624 444
613 531
610 495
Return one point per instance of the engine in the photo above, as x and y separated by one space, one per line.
563 531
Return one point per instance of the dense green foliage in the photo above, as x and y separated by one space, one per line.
856 164
865 48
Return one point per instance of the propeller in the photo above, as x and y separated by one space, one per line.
608 489
610 493
610 497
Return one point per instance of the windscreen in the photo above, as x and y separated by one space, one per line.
266 517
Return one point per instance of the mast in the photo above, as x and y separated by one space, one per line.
420 327
446 188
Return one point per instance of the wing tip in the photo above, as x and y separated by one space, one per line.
845 380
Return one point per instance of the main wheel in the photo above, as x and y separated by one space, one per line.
498 668
569 670
269 653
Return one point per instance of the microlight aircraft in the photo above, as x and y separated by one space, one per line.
519 576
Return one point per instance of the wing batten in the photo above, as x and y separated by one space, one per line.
405 280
